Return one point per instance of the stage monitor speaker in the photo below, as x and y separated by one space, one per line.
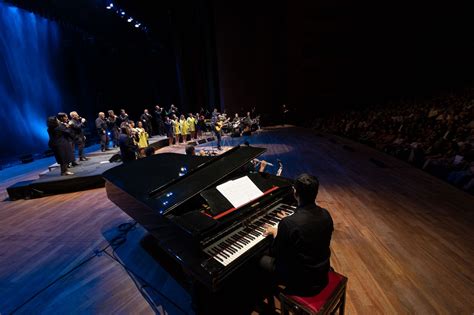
193 143
201 141
115 158
210 139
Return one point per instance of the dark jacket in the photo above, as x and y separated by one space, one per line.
101 126
301 250
60 139
77 128
127 148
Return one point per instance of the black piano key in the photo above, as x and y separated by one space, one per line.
232 246
243 238
236 244
254 233
251 237
215 254
229 249
223 251
237 241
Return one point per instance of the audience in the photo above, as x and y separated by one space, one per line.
436 135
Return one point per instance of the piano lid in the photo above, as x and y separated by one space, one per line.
165 181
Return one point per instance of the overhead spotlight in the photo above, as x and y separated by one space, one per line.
122 12
130 19
110 6
137 25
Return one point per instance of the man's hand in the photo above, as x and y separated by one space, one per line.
282 214
270 230
263 164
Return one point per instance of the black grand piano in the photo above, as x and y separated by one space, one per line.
174 197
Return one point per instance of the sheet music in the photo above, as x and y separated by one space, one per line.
239 191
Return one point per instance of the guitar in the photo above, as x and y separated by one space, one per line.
220 124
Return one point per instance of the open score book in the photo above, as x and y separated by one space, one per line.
240 191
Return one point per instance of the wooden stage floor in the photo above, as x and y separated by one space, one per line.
403 238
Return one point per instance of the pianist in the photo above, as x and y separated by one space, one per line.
299 255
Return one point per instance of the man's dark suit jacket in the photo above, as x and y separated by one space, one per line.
301 250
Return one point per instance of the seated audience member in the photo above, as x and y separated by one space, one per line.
299 255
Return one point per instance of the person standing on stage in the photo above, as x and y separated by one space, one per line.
184 128
101 127
217 128
133 131
215 114
159 114
77 125
176 129
142 139
128 148
63 119
284 111
192 125
201 125
173 111
169 129
146 119
113 126
123 117
60 138
299 256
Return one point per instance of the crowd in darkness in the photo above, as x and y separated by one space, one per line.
436 135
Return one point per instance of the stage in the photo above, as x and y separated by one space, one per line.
402 237
87 175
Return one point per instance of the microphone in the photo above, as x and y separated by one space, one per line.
258 161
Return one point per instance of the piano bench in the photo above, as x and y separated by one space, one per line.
328 301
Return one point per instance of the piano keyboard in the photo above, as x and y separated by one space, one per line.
237 243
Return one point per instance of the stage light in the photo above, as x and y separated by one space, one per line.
122 12
110 6
130 19
137 25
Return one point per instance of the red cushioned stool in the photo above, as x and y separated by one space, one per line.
328 301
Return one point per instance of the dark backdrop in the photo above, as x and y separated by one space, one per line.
48 65
323 55
312 55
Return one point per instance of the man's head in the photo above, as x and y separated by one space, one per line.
190 150
149 151
101 115
74 115
305 189
62 117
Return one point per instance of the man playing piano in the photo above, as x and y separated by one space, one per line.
300 251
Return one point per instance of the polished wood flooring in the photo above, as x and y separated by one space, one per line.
403 238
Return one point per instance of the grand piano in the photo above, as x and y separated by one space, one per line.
174 197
